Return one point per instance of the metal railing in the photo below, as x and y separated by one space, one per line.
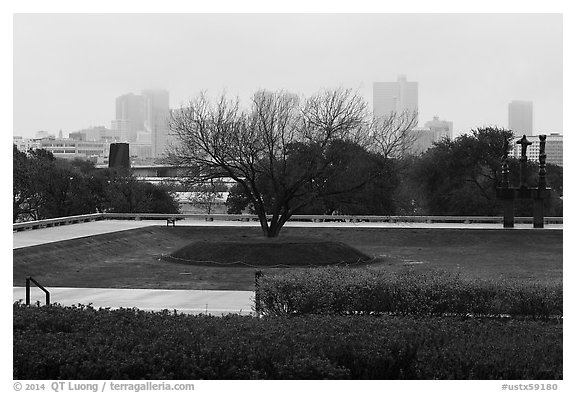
50 222
28 281
327 218
253 217
257 301
330 218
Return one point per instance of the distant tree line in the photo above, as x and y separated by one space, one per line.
47 187
453 177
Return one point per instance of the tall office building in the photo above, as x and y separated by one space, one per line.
157 117
520 117
130 116
147 113
396 96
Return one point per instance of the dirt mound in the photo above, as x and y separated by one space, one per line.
265 252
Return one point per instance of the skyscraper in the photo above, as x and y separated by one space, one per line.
520 117
147 113
396 96
131 115
157 117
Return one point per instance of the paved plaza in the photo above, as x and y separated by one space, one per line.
184 301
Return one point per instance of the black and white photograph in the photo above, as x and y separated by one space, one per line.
287 197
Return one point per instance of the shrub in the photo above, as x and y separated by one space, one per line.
345 291
56 342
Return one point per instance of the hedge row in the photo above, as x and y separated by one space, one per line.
344 291
56 342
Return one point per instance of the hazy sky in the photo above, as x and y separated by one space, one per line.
69 68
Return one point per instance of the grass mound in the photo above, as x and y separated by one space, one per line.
268 252
130 258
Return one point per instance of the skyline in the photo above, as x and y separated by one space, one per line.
69 68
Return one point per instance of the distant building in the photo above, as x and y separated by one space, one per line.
157 117
142 116
144 137
440 128
423 139
25 144
141 151
70 148
122 129
131 110
77 136
95 134
396 96
520 117
43 135
432 132
554 148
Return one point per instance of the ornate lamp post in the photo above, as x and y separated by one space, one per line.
505 193
538 194
524 142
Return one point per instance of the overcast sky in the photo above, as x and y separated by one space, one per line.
69 68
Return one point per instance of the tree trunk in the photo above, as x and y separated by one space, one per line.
274 229
263 222
277 224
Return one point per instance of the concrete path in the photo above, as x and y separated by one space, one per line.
73 231
185 301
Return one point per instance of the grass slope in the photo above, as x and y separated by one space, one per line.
285 251
133 259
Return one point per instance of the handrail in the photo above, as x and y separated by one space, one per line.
30 279
326 217
257 301
56 221
253 217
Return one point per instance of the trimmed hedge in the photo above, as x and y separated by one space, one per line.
56 342
345 291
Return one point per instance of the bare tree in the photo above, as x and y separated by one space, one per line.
281 151
392 135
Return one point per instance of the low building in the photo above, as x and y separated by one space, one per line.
141 150
440 128
423 139
433 131
70 148
43 135
96 134
25 144
554 148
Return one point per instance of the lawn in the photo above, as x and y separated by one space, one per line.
136 258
